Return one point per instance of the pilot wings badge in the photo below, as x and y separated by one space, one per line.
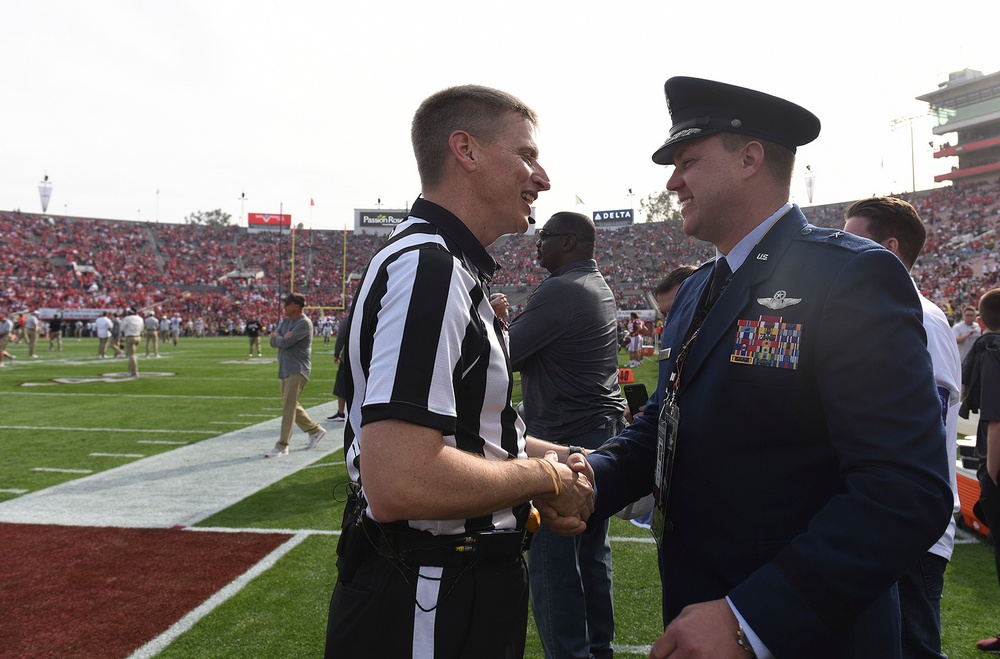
779 300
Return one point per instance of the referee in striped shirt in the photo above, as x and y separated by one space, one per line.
430 560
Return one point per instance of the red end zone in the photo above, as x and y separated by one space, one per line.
84 591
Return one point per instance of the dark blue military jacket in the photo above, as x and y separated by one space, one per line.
811 466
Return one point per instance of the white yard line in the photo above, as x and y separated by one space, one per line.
139 430
963 537
174 396
179 487
157 645
228 529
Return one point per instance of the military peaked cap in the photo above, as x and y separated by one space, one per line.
699 108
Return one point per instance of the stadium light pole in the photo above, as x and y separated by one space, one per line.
913 157
243 199
45 192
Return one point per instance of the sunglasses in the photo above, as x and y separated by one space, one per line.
543 234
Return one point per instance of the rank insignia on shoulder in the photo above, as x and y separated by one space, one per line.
767 342
779 300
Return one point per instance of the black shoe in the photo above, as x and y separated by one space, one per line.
339 416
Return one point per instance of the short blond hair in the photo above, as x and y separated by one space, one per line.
479 111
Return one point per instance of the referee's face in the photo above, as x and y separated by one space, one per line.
511 177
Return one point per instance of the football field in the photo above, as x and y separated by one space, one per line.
139 517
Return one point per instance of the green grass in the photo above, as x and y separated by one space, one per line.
282 613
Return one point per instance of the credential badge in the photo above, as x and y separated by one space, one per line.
779 300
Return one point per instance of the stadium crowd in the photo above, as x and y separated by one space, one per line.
225 274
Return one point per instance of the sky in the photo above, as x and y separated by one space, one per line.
151 111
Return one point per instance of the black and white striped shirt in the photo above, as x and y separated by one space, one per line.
425 347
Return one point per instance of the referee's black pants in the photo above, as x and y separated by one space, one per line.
479 609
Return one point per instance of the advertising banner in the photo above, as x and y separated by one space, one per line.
378 218
269 221
617 218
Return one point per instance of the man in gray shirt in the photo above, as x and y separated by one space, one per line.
151 325
565 344
293 339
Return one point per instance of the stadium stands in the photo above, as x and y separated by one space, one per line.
68 263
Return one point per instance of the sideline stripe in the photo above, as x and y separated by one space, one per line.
644 541
117 455
142 430
159 643
229 529
63 471
633 649
266 416
160 441
963 537
13 491
178 396
227 423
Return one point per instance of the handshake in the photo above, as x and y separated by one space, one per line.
565 510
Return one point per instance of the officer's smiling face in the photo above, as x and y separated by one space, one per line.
703 179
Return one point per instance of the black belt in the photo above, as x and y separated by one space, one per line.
416 547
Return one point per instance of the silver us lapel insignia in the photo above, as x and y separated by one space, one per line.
779 300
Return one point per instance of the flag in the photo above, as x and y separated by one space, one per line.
311 202
578 200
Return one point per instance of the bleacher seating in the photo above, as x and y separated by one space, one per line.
179 268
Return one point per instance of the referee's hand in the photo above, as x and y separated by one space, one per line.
576 493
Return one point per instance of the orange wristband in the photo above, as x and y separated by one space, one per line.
549 467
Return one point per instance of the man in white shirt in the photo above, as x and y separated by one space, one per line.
175 327
966 331
895 224
132 332
103 327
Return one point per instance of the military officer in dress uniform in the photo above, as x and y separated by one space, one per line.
794 444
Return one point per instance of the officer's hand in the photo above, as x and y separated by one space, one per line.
579 464
558 524
576 493
707 629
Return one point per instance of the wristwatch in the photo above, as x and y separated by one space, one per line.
577 449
